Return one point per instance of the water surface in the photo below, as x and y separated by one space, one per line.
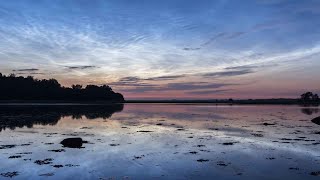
159 141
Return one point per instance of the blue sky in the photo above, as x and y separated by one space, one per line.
166 49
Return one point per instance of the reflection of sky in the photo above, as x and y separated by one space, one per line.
166 49
165 151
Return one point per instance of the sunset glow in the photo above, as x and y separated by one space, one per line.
167 49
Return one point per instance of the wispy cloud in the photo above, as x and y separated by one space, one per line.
207 92
228 73
80 67
138 50
25 70
162 78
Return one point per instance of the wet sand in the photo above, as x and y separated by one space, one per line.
161 141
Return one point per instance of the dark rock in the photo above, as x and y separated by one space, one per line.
294 168
47 174
138 157
271 158
221 164
57 166
193 152
145 131
45 161
114 144
268 124
203 160
73 143
201 145
315 173
7 146
316 120
57 150
257 135
28 144
10 174
14 157
228 143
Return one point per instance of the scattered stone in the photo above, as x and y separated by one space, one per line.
221 163
7 146
14 157
145 131
316 173
114 144
294 168
228 143
138 157
47 174
25 153
50 133
270 158
86 128
257 135
57 166
10 174
268 124
57 150
45 161
201 145
286 139
25 144
204 150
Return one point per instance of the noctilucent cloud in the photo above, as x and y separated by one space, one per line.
151 49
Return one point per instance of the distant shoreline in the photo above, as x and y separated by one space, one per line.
213 102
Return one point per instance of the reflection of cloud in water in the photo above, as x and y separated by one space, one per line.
153 143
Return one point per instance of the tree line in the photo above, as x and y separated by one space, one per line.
309 98
14 87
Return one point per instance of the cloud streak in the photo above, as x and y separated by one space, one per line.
80 67
25 70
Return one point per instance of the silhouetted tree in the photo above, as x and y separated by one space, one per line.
309 98
306 97
77 87
21 88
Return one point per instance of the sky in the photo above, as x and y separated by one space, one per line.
168 49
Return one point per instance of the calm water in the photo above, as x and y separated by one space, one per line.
159 141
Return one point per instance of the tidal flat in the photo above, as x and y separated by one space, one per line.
159 141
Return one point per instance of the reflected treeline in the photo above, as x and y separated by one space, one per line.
309 111
27 116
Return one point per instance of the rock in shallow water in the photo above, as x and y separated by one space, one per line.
316 120
73 143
